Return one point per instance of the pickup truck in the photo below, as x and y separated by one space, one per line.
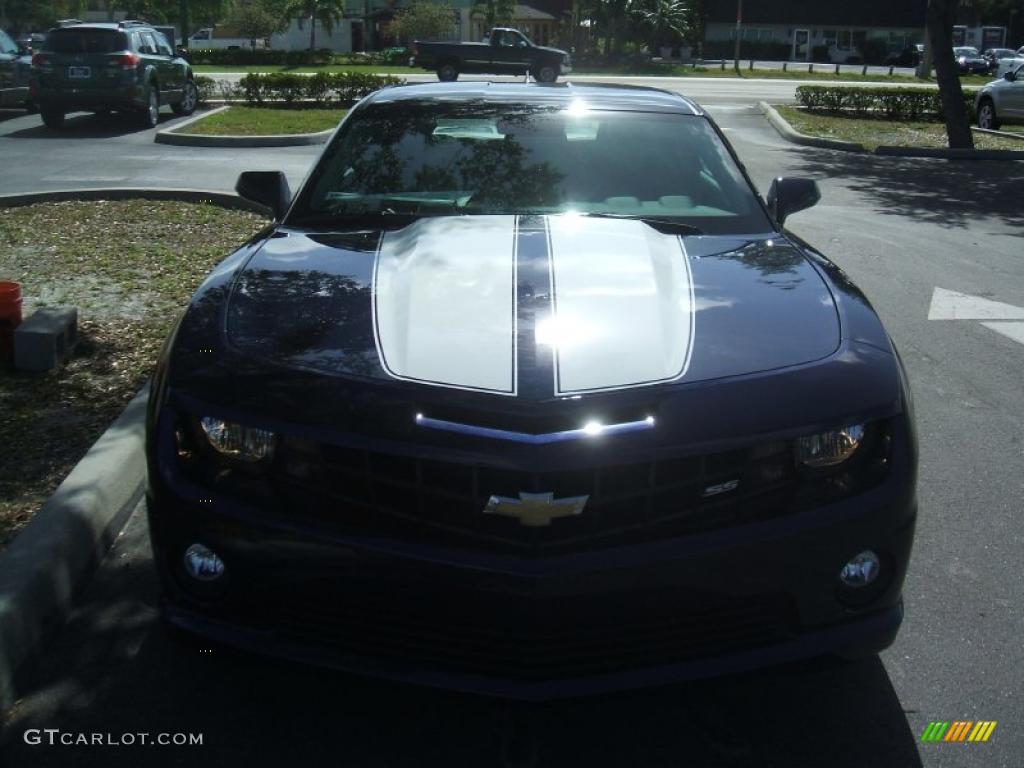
504 52
215 39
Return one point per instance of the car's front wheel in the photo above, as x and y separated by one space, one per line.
189 99
53 118
987 115
546 74
447 73
151 114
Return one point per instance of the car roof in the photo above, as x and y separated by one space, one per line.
597 95
103 25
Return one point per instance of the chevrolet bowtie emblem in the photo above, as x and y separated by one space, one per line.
535 509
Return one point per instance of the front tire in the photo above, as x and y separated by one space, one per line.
546 74
189 99
151 114
447 73
987 117
53 118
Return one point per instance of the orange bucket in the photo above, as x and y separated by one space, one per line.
10 318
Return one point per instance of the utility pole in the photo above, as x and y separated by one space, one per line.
739 25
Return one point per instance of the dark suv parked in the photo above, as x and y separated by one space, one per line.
14 68
128 67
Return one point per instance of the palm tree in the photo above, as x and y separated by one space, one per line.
664 19
327 12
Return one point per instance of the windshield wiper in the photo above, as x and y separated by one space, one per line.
666 226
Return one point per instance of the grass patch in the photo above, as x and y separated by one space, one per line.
873 133
265 121
129 267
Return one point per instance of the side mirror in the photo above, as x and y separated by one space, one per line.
1011 76
789 195
269 188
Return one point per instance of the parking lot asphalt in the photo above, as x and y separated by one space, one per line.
901 228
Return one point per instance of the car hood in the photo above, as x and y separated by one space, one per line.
530 307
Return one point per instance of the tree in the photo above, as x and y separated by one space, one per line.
254 20
940 17
149 10
423 21
327 12
496 13
39 14
665 20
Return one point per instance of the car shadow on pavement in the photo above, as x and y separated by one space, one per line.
115 671
949 193
90 126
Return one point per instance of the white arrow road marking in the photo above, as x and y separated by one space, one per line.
1013 331
951 305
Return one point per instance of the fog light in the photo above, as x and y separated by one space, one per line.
861 570
202 563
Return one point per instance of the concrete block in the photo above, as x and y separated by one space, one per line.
43 340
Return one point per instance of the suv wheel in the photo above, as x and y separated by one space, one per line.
546 74
447 73
151 115
987 115
53 118
189 99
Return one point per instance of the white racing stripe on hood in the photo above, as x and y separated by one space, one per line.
623 305
444 302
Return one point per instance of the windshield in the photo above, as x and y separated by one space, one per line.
966 51
482 158
85 41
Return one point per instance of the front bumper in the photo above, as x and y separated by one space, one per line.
537 628
566 68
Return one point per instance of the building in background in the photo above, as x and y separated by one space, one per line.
810 30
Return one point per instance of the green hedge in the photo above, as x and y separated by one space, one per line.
247 56
901 104
324 88
319 58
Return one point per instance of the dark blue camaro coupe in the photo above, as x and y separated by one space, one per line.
527 392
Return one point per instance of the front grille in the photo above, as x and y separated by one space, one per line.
443 501
524 637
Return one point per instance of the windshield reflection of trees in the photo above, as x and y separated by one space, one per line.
392 155
307 317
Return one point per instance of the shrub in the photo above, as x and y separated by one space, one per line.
248 56
899 104
207 88
325 88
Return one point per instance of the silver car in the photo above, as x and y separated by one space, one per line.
1001 101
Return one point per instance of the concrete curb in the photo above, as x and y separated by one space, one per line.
48 563
791 134
1003 134
45 566
173 137
223 199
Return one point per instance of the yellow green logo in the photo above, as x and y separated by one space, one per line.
958 730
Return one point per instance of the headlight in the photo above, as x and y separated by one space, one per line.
236 441
829 448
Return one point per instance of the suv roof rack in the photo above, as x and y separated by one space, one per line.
132 23
69 22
